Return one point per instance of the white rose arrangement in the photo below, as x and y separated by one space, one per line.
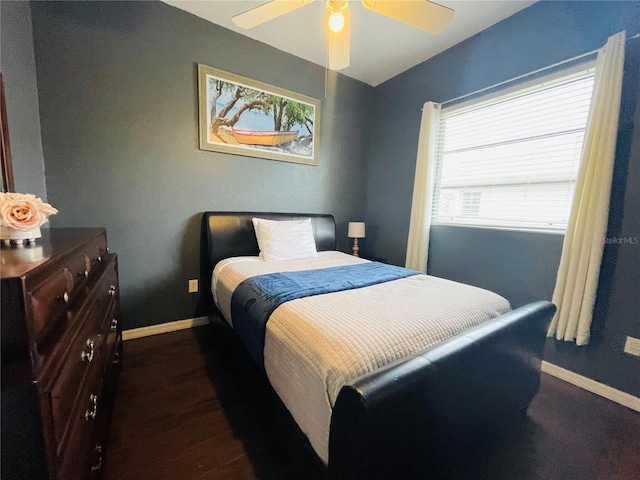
24 211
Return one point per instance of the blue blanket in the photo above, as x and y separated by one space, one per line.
255 299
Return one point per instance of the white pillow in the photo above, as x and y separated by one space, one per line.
284 240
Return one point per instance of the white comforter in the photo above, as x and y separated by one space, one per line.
316 345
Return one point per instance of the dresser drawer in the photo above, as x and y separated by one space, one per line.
80 268
107 288
112 368
82 456
97 251
50 298
111 336
83 365
84 263
70 396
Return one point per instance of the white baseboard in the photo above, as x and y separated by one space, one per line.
164 328
592 386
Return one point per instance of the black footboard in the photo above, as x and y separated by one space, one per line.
404 420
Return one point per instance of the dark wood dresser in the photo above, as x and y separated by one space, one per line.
61 353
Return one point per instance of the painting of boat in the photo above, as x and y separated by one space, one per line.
263 137
245 117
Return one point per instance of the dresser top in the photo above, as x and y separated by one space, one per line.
55 242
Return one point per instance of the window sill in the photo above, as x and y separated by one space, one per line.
509 229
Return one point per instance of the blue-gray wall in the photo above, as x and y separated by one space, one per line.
18 68
520 266
118 108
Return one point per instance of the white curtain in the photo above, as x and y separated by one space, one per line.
418 244
577 280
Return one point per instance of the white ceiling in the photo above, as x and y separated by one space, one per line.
381 48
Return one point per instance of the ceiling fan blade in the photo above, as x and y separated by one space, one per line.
339 45
268 11
422 14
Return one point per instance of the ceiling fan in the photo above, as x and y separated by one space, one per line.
422 14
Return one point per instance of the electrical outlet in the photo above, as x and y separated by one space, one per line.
193 285
632 346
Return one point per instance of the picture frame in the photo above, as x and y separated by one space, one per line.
8 184
241 116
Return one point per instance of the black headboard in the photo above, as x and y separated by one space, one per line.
231 234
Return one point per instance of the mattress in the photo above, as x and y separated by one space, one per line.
316 345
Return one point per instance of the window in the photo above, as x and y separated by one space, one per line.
511 161
471 204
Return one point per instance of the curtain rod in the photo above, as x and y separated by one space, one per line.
525 75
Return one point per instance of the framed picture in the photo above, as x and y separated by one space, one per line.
5 149
245 117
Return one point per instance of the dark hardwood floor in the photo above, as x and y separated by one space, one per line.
190 405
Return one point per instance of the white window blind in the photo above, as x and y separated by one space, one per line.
511 161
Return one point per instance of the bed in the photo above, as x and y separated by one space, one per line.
435 381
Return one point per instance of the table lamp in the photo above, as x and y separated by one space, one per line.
356 231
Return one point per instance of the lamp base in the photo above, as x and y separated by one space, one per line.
356 248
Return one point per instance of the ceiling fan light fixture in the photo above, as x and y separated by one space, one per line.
336 22
337 6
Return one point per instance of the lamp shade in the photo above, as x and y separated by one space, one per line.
356 230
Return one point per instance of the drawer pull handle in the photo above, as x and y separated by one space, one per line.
114 324
65 297
85 274
116 358
99 258
97 466
92 411
112 290
87 353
